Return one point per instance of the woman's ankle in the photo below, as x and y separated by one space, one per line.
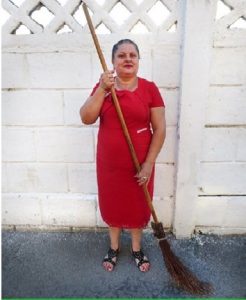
114 247
136 248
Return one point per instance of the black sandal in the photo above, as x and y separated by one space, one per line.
109 257
140 259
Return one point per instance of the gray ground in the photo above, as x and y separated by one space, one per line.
69 265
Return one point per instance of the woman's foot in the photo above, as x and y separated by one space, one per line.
110 259
141 260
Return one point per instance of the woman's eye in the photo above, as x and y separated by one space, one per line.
124 56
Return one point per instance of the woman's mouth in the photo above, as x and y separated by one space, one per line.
128 66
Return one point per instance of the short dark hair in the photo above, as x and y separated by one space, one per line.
121 42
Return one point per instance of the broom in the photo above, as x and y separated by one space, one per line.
181 275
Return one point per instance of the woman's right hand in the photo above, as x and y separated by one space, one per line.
107 80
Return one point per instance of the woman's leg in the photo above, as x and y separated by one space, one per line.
114 234
136 235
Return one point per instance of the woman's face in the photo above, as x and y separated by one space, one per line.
126 61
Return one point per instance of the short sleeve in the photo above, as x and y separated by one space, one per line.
156 98
94 89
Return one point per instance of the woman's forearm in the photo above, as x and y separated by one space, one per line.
156 144
157 141
90 111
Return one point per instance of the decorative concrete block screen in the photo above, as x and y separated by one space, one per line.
195 51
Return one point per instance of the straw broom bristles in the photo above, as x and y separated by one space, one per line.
181 275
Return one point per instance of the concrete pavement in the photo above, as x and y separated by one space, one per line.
41 264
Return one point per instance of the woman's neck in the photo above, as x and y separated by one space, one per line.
126 83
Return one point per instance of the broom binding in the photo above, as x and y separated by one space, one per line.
158 230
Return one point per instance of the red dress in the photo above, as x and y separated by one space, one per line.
121 200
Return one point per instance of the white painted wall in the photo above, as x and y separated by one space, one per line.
221 201
48 168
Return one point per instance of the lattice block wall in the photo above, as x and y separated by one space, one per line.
230 26
112 16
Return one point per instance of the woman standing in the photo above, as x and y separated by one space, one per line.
121 199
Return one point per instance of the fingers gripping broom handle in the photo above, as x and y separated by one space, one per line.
119 113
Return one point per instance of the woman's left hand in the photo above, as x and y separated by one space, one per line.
144 175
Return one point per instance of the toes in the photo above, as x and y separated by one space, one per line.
142 268
145 267
108 266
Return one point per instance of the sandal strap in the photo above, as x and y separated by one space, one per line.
139 255
110 255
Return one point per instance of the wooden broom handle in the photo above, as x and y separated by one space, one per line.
119 113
